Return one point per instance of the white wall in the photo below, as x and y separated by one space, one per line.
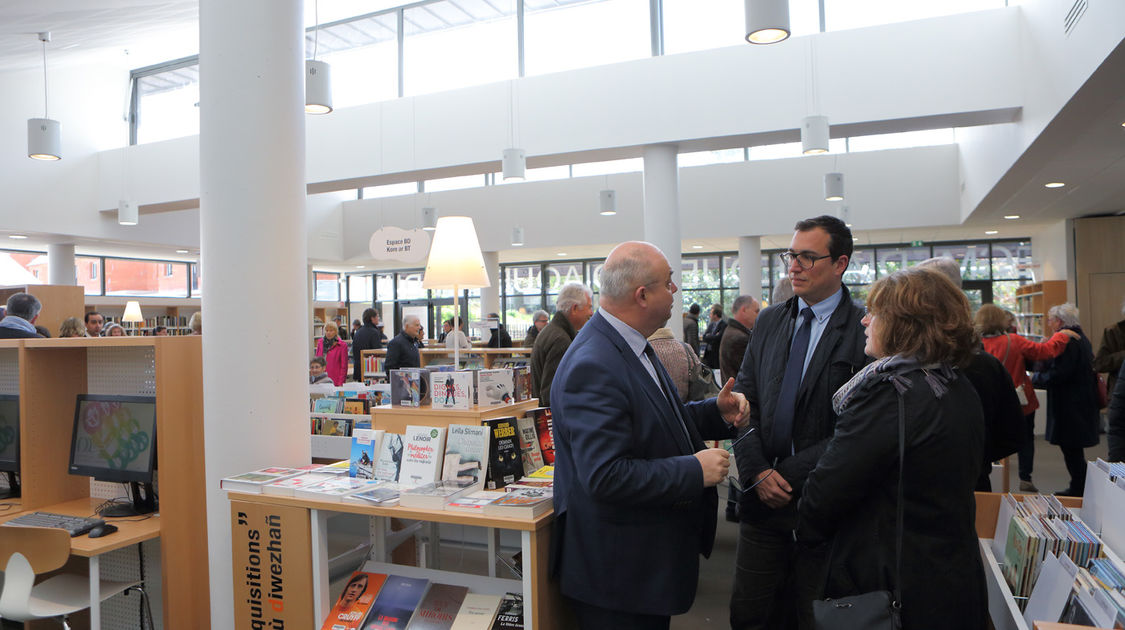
1049 248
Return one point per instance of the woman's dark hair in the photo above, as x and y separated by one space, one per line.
922 315
840 241
368 313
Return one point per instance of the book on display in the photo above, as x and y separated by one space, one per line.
525 503
385 494
494 387
451 390
544 429
504 462
530 454
432 496
466 453
474 502
422 455
510 614
355 601
286 487
335 489
388 462
410 387
396 602
252 482
477 612
438 608
365 450
521 375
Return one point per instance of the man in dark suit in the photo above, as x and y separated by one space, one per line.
22 311
801 352
635 499
402 351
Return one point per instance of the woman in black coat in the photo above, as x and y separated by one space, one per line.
849 502
1072 397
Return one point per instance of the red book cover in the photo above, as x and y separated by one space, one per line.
544 428
351 609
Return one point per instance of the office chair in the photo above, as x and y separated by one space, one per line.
29 551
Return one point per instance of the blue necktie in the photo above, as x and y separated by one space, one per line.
782 436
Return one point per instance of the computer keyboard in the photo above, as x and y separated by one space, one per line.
76 525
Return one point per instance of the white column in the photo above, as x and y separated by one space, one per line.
60 264
254 254
662 216
750 266
490 296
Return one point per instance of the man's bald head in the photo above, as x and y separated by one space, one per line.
637 287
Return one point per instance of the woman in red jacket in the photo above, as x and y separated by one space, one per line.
335 353
1014 351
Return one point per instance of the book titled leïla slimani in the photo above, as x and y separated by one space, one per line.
466 453
504 462
396 602
355 601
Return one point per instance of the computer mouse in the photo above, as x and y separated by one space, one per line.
102 530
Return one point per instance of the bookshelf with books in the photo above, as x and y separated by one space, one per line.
1032 303
172 314
486 358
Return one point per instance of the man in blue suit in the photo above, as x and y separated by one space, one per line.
635 499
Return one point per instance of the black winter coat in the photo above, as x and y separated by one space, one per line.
368 337
838 356
850 500
1072 395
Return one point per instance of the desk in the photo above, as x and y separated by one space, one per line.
540 601
130 532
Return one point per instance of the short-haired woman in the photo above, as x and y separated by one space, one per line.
1072 397
72 327
849 502
335 353
1014 352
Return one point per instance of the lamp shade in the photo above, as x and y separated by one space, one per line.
127 212
814 135
833 186
318 87
132 312
455 260
43 141
767 21
429 219
514 164
517 237
608 202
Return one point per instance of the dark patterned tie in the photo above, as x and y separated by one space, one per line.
782 436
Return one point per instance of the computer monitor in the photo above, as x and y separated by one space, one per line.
114 439
10 443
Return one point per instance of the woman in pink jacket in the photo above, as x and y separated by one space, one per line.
1014 351
335 353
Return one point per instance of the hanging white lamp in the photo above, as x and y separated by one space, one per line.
318 76
517 237
767 21
833 186
514 164
429 219
608 202
844 213
43 134
127 213
814 135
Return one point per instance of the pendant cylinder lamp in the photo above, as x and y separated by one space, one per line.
608 202
43 139
814 135
767 21
833 186
517 237
514 164
127 213
429 219
318 87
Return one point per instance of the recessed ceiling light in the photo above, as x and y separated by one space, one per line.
697 247
359 266
991 232
1011 217
562 253
17 236
181 251
1054 184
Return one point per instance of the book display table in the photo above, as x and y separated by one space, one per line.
280 559
396 419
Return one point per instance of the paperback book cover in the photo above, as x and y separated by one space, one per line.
521 374
544 428
365 448
357 406
466 453
335 489
477 612
530 454
451 390
495 388
510 615
432 496
286 487
439 607
328 404
474 501
252 482
524 503
407 387
396 603
504 463
333 426
422 449
388 462
385 493
355 601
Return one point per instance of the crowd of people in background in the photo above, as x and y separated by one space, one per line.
23 309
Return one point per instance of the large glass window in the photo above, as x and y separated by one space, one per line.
454 183
452 44
144 278
363 55
630 165
561 273
702 158
390 190
385 287
844 14
168 104
891 259
410 286
972 257
361 289
610 31
327 286
523 280
196 280
902 140
89 271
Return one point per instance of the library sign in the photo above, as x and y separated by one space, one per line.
393 243
272 566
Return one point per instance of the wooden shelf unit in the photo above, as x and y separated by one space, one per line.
59 302
52 372
1032 303
427 355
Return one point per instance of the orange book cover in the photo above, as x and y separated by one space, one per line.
351 609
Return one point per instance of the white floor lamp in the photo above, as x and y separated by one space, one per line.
456 263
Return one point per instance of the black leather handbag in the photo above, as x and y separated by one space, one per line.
876 610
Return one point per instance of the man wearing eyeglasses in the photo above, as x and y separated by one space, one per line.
801 352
